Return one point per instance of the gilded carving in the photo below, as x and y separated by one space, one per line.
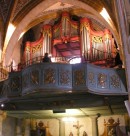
5 89
115 81
39 128
34 49
35 77
49 76
110 128
15 84
25 80
102 79
91 78
64 77
84 25
97 39
79 77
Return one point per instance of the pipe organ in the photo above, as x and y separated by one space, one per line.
69 38
34 50
47 35
85 39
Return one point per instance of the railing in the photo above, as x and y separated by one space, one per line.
3 74
95 57
98 55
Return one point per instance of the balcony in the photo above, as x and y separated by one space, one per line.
47 81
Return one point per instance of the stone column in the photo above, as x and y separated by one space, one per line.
0 47
3 116
61 127
1 121
19 127
94 125
27 127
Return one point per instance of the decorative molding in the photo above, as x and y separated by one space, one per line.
102 80
5 6
79 77
64 77
20 4
35 77
114 81
49 76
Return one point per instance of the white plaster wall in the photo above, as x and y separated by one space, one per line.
8 126
53 125
115 117
86 126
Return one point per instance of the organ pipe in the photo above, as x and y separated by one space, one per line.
94 45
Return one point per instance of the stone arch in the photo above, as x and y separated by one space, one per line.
1 35
36 11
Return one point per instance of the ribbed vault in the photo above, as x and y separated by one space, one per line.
37 12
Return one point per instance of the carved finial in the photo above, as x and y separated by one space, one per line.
111 120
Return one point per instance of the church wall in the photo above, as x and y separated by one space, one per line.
85 124
8 126
16 127
101 120
53 125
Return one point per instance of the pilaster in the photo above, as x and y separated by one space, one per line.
61 127
94 125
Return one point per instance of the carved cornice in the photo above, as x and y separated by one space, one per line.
56 14
22 8
97 5
5 6
20 4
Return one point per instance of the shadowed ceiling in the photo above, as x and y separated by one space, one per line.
15 11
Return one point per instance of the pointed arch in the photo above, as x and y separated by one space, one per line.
35 12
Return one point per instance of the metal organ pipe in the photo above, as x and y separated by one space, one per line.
93 46
85 38
47 39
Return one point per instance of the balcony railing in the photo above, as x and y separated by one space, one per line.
97 57
64 78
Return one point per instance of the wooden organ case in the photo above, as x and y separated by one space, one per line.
35 50
67 39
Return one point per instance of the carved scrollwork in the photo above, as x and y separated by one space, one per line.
79 77
25 80
64 77
35 77
49 76
111 128
115 81
102 80
97 39
5 89
15 84
91 79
